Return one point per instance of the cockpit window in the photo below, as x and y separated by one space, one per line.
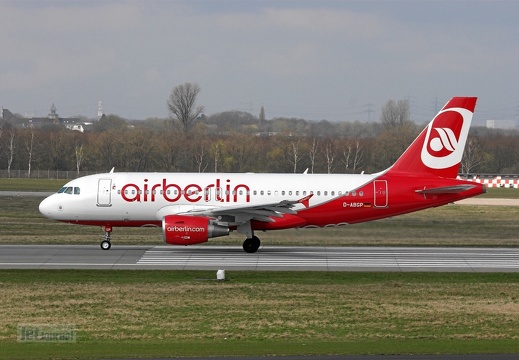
70 190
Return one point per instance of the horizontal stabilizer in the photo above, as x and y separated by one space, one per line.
455 189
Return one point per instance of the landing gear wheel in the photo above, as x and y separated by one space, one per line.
251 245
106 244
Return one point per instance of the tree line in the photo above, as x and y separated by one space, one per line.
157 145
236 141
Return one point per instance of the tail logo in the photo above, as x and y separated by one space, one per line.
445 138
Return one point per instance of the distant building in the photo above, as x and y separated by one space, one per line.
75 124
502 124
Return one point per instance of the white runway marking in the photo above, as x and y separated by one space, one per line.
337 258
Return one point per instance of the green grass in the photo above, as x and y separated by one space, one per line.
501 193
31 184
178 313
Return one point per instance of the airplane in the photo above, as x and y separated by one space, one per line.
194 207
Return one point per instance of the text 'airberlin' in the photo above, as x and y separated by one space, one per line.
172 192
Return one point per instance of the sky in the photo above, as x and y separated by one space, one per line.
313 59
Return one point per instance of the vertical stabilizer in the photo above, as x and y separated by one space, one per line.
439 147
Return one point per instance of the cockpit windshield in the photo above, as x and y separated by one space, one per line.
69 190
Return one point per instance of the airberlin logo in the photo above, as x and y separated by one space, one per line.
445 138
187 229
221 191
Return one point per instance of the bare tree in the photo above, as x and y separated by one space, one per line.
216 149
329 155
395 114
79 151
29 144
182 106
472 155
358 156
199 158
312 152
346 154
11 146
352 155
293 154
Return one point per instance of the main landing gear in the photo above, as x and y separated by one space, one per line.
251 245
106 244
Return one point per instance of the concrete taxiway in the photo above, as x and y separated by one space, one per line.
268 258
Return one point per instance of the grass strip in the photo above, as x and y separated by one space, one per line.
186 313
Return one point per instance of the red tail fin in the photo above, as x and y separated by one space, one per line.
439 147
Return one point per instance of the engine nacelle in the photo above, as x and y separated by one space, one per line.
188 230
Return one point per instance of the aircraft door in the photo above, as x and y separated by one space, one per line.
381 193
104 194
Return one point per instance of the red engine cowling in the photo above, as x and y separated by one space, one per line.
188 230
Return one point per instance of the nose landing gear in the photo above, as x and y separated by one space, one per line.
106 244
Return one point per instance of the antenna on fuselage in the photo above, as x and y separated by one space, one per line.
112 171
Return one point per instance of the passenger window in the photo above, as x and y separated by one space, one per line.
361 193
262 192
268 192
325 193
318 193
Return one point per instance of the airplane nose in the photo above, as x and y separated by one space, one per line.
48 207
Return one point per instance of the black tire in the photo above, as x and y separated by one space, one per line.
251 245
106 245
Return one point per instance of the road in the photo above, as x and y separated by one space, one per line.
268 258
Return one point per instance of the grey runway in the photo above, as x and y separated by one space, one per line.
268 258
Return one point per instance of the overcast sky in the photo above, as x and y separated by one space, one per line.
313 59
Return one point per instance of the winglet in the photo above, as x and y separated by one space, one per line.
305 201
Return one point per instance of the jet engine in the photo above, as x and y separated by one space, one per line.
188 230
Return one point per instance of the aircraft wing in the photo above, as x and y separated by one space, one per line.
243 213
